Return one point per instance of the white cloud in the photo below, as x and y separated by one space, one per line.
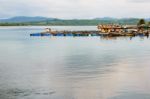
139 1
75 8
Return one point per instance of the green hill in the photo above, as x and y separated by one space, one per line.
40 21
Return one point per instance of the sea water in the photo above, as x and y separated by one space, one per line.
72 67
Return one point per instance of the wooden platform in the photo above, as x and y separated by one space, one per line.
87 33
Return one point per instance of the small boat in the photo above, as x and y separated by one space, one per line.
41 34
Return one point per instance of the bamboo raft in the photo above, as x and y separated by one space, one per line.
67 33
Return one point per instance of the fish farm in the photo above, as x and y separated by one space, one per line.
103 30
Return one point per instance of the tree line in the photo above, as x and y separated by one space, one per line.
79 22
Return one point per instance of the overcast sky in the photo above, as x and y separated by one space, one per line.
75 8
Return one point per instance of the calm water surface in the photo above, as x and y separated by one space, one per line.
72 67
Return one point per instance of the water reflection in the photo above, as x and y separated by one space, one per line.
132 95
73 68
127 37
24 93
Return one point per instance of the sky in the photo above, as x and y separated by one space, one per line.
75 9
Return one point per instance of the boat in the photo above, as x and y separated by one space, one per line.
40 34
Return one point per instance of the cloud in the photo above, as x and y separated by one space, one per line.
74 8
139 1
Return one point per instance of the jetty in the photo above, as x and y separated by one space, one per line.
102 30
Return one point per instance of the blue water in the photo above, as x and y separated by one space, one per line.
72 67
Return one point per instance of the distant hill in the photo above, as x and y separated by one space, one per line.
19 19
148 19
106 18
24 20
